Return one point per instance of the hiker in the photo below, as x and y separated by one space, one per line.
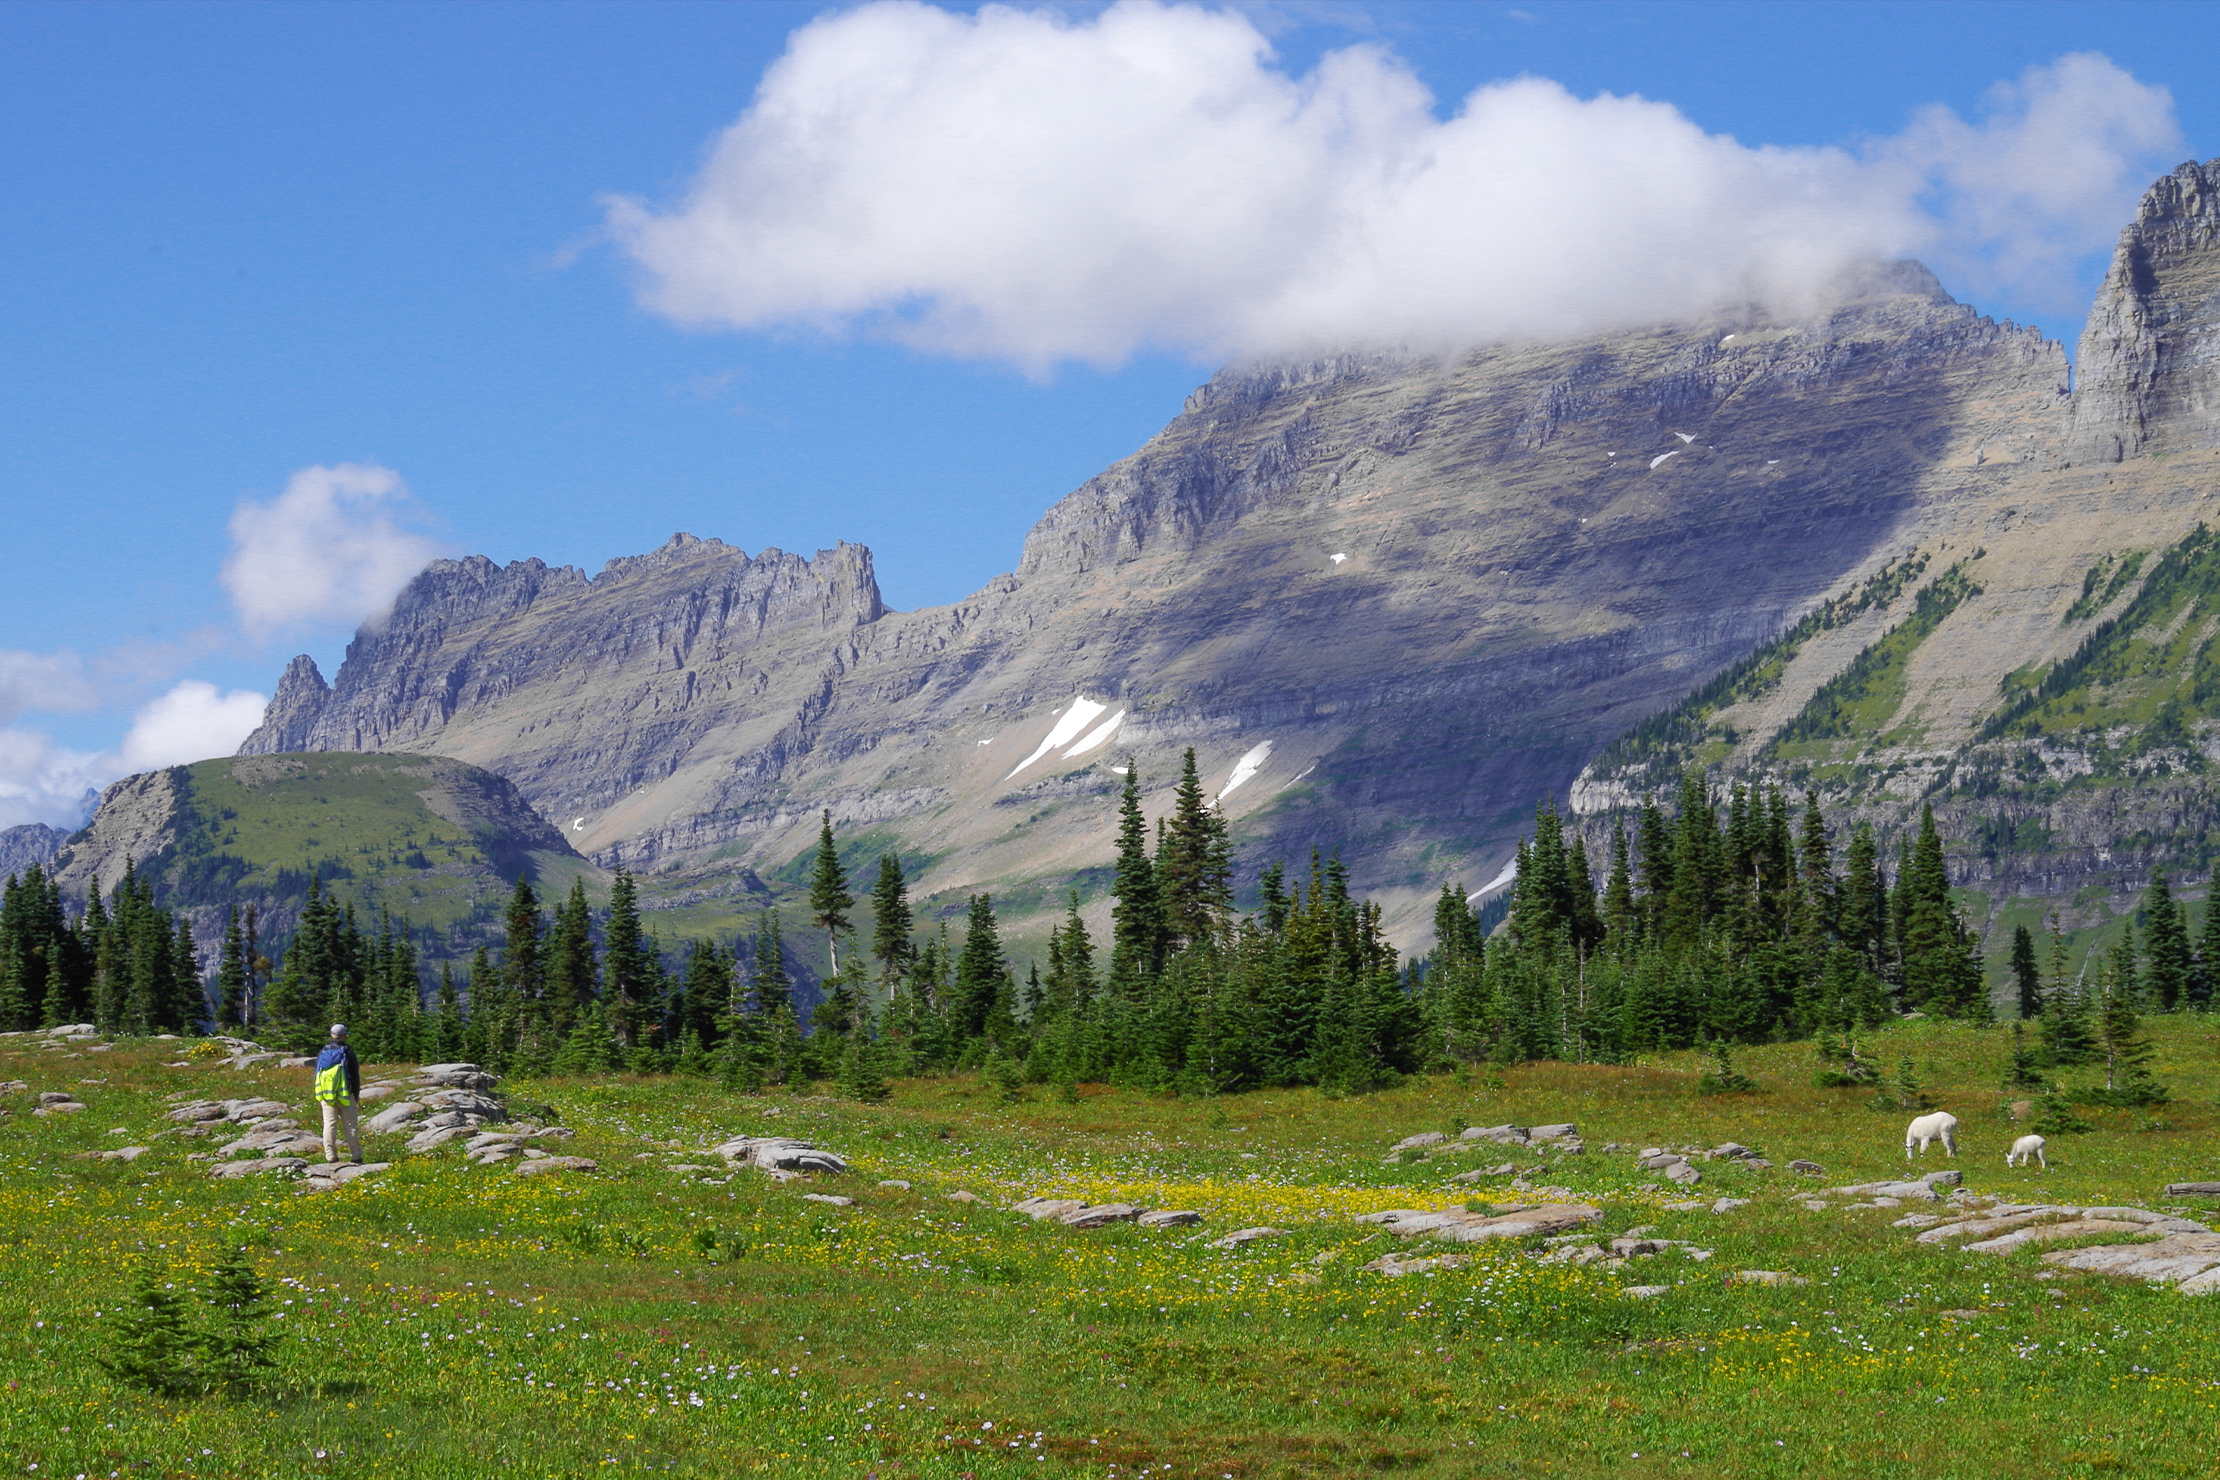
338 1086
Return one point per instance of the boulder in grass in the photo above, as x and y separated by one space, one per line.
1525 1223
1683 1173
829 1199
533 1167
59 1107
1038 1208
1100 1215
457 1076
1564 1132
897 1183
1169 1218
780 1154
2193 1189
1502 1135
1901 1191
393 1119
1240 1236
467 1102
437 1136
1423 1138
963 1197
2051 1233
323 1176
1394 1266
279 1166
196 1111
2175 1259
1765 1277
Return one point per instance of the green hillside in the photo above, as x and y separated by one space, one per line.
432 839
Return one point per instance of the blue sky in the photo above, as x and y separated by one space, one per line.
248 240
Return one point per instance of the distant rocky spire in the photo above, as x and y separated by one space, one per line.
2147 377
292 715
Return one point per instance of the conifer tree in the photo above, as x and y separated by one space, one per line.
1137 917
2165 983
2126 1052
631 967
1192 887
523 964
829 899
891 922
2026 973
231 975
982 985
573 976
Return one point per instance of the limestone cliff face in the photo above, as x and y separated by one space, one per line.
33 843
2148 371
290 721
1400 599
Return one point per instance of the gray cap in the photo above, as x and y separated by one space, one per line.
338 1030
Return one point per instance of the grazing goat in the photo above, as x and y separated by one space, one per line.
1941 1126
2025 1147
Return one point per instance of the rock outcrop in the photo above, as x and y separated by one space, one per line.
2147 377
31 844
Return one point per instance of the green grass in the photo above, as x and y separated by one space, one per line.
266 825
453 1320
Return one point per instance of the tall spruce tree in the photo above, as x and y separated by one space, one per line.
1137 918
829 899
631 967
891 922
2027 973
2166 962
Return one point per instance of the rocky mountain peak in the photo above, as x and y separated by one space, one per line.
2148 374
292 715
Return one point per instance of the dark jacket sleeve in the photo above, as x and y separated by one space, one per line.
354 1075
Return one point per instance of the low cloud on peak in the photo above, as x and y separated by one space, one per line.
1019 185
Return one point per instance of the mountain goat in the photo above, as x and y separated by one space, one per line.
2025 1147
1941 1126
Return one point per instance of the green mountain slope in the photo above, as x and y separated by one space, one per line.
434 840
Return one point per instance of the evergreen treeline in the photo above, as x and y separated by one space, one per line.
1736 930
1736 926
122 963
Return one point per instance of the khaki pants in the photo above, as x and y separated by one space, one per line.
334 1116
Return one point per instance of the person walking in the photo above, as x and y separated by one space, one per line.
338 1086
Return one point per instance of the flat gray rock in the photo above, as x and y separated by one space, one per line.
393 1117
1169 1218
1100 1215
1242 1236
280 1166
2175 1259
829 1199
781 1154
1765 1277
533 1168
1039 1208
1423 1138
2050 1233
2193 1189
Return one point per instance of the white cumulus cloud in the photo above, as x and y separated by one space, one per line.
44 782
330 548
192 722
1023 185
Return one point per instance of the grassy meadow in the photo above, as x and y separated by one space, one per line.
444 1319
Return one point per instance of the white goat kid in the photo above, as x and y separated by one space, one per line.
2025 1147
1941 1126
